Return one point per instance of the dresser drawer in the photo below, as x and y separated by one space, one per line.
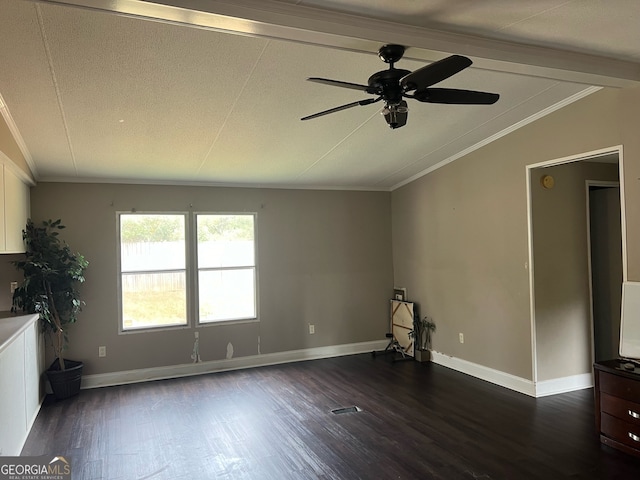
618 386
621 431
623 409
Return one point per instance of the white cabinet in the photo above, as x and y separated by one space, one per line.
15 203
21 366
33 368
12 412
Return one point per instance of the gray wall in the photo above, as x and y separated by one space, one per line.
459 246
460 249
606 267
324 257
460 233
561 268
627 121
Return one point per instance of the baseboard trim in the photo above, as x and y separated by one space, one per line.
174 371
512 382
497 377
487 374
564 384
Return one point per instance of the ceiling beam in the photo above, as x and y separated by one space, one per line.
281 20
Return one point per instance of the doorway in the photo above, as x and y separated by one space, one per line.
605 266
561 275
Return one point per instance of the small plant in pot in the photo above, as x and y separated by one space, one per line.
422 332
52 273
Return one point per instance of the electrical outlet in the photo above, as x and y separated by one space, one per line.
196 334
461 337
102 351
13 286
312 329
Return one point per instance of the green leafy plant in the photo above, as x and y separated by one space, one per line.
422 332
52 273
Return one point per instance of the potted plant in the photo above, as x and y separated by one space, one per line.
52 273
422 333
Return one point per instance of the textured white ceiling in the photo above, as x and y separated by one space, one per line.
101 96
608 28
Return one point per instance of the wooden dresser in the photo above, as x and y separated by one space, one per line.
617 396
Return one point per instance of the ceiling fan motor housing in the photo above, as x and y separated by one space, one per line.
387 84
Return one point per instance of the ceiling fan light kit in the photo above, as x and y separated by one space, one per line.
396 115
395 84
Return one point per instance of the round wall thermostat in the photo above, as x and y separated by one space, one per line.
547 181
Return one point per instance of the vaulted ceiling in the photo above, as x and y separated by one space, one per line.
212 92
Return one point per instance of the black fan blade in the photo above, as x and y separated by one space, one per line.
435 72
454 96
368 101
337 83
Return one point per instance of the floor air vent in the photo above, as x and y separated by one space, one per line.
346 410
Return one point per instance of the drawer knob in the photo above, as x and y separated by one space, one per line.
633 437
633 414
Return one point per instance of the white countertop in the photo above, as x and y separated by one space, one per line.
12 325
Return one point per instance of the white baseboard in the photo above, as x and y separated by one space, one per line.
564 384
189 369
512 382
496 377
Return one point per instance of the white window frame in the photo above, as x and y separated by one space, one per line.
121 327
191 273
197 269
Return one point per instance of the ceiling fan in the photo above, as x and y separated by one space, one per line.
394 84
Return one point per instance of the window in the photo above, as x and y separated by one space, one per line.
153 270
226 267
157 269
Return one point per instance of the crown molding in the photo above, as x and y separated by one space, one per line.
542 113
13 128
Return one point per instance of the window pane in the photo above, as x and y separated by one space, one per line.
225 241
153 299
152 242
227 294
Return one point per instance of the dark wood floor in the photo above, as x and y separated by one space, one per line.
418 421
